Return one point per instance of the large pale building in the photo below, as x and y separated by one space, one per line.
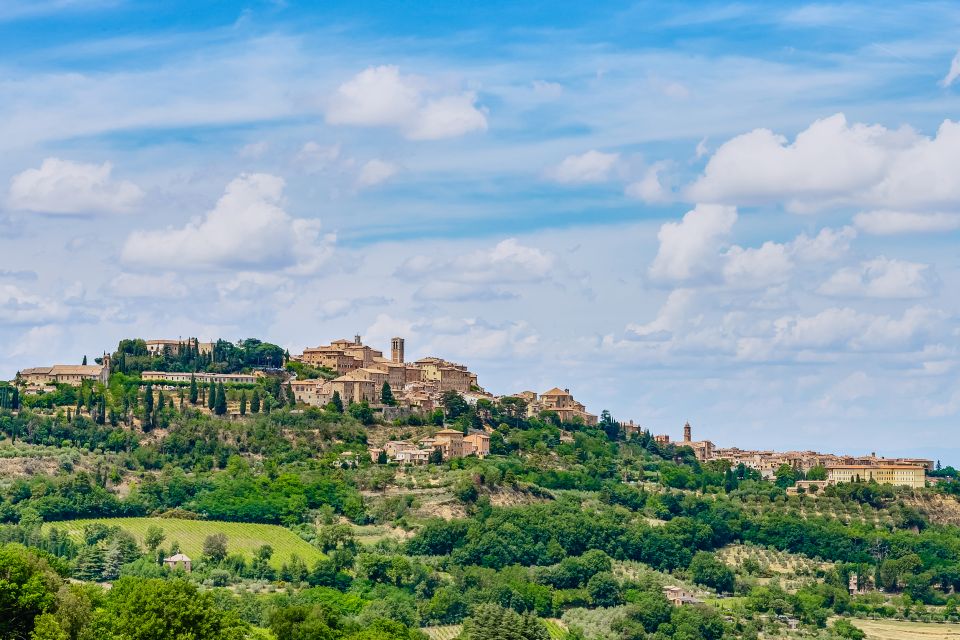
71 374
897 474
201 378
173 347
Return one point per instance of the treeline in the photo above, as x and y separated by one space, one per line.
132 357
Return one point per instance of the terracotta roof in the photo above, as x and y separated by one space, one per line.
177 558
556 391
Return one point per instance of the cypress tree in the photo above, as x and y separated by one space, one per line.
161 402
243 403
193 389
255 402
148 398
212 397
291 397
337 402
220 407
84 363
386 395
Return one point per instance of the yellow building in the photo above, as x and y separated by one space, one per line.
897 474
561 402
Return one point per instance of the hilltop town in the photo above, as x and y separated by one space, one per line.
349 373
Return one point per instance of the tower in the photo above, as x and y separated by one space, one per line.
356 340
396 350
686 433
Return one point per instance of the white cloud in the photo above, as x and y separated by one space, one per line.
21 307
341 307
954 72
135 285
547 90
881 278
674 314
886 223
463 339
590 167
375 172
690 249
246 229
828 245
381 96
756 268
650 188
62 187
841 329
507 262
835 163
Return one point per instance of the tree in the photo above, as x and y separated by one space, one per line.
46 627
255 402
84 363
243 403
193 389
845 629
453 404
386 395
705 569
137 609
436 456
336 402
212 396
215 547
382 457
818 472
291 396
28 588
786 476
220 404
362 412
604 590
493 622
154 538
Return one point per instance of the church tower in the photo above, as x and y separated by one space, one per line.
396 350
686 433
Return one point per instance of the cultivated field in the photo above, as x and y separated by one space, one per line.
242 537
893 630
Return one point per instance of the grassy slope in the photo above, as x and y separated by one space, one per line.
242 537
894 630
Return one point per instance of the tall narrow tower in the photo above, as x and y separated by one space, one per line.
686 433
396 349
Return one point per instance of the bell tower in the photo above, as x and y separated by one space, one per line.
396 350
686 433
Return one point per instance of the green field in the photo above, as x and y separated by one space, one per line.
242 537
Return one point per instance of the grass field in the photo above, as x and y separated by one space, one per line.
242 537
445 632
893 630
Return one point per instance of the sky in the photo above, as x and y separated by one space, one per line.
741 215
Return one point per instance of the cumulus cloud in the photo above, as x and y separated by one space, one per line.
881 278
340 307
756 268
828 245
887 223
19 307
953 73
382 97
835 163
375 172
62 187
590 167
650 188
690 249
507 262
446 291
314 156
246 229
674 314
847 329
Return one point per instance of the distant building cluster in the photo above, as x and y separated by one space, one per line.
174 347
909 472
447 443
42 379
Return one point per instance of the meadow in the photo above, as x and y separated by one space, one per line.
242 537
896 630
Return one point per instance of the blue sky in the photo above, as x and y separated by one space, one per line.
744 215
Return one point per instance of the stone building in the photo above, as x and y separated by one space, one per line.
36 378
